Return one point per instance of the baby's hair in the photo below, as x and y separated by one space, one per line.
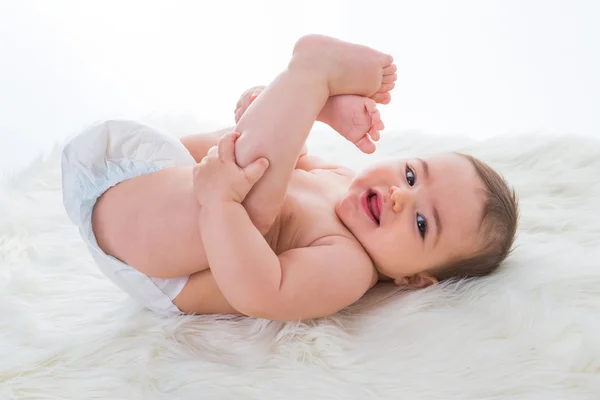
498 227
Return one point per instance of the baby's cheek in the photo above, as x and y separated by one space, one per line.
372 177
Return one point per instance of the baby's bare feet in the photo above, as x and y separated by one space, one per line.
348 68
388 82
245 100
354 117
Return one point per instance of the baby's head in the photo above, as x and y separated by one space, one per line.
431 219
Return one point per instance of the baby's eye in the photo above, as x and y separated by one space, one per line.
422 225
410 175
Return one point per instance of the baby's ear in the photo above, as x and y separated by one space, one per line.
417 281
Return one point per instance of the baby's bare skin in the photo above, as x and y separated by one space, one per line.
126 216
331 233
308 238
394 244
165 199
307 219
151 222
302 238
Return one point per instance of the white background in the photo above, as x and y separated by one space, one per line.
479 68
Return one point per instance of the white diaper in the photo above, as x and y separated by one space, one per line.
96 160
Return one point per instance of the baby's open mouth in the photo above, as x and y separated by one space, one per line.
373 205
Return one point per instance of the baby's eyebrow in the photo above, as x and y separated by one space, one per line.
438 225
425 167
436 215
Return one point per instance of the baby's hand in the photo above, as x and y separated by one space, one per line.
217 178
245 100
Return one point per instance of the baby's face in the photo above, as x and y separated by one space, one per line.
414 215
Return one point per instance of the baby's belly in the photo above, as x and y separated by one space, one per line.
151 223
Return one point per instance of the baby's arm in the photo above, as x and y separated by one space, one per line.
300 283
304 283
199 144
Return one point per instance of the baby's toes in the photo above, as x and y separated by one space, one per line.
386 87
365 144
382 98
390 70
376 121
389 78
374 114
388 81
370 106
374 133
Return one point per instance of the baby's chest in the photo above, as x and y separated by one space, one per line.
309 213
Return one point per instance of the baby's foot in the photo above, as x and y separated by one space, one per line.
354 117
388 82
245 100
348 68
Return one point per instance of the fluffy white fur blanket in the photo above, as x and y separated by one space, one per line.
531 331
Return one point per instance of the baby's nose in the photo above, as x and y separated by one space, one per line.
399 198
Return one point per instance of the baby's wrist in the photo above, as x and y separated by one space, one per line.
217 206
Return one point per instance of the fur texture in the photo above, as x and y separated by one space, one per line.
529 331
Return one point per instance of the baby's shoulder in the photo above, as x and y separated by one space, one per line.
346 252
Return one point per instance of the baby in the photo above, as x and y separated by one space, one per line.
257 226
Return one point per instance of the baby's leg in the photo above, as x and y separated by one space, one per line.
201 295
199 144
279 121
354 117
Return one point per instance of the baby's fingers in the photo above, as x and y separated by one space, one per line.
256 170
212 153
227 146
